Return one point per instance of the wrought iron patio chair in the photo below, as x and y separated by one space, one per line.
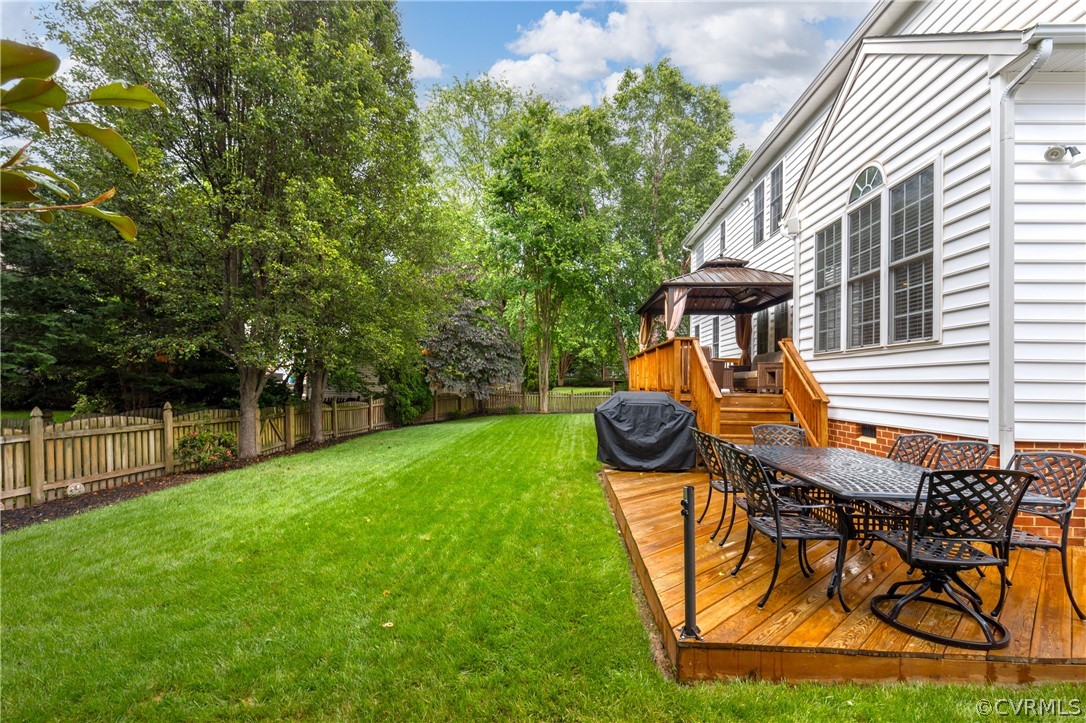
955 508
1060 475
779 435
912 448
782 520
718 480
960 455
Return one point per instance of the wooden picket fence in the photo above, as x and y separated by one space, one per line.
38 459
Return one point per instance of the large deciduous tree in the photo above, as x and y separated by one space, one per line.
293 171
547 214
672 157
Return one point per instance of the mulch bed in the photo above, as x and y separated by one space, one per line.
68 506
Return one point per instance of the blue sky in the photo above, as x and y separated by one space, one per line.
761 54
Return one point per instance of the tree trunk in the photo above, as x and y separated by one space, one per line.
318 382
544 368
565 359
620 337
252 380
299 382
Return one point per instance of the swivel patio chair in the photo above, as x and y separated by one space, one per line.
955 508
912 448
718 480
1060 475
960 455
782 520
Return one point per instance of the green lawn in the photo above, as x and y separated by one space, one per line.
580 390
467 570
58 414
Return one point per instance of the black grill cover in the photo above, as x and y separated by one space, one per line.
645 431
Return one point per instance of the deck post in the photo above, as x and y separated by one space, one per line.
690 573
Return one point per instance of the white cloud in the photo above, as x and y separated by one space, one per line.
752 133
423 67
772 49
764 95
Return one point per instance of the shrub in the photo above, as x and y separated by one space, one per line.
203 448
512 409
408 395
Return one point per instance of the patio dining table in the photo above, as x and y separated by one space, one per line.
855 483
852 476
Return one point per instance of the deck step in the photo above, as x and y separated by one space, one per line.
753 400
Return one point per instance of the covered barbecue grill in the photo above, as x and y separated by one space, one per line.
645 431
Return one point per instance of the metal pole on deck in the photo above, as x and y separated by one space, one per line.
690 624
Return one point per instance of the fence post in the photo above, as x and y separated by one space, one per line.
167 437
288 425
37 458
335 419
371 413
690 573
571 401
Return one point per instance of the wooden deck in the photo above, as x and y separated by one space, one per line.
801 635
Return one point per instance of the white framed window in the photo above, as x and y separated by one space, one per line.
776 196
828 288
723 237
716 337
759 214
875 269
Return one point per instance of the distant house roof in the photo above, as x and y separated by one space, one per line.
723 286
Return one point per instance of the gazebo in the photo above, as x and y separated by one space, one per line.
722 286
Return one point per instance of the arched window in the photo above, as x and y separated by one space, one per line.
868 180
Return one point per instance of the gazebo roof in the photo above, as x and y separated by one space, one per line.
723 286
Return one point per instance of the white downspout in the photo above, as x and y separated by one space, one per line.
1003 261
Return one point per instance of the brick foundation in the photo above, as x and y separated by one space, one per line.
847 434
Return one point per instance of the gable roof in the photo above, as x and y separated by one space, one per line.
822 90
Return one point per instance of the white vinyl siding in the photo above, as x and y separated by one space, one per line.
1050 261
940 111
989 15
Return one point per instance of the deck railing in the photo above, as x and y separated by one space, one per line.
804 395
679 367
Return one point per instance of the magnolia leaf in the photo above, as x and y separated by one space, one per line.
124 225
17 157
109 139
17 188
126 96
25 61
45 216
32 94
52 174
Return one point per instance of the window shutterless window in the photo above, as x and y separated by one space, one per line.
723 238
864 253
776 196
759 214
716 336
912 238
828 288
881 260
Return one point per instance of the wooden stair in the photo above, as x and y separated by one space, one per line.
739 411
